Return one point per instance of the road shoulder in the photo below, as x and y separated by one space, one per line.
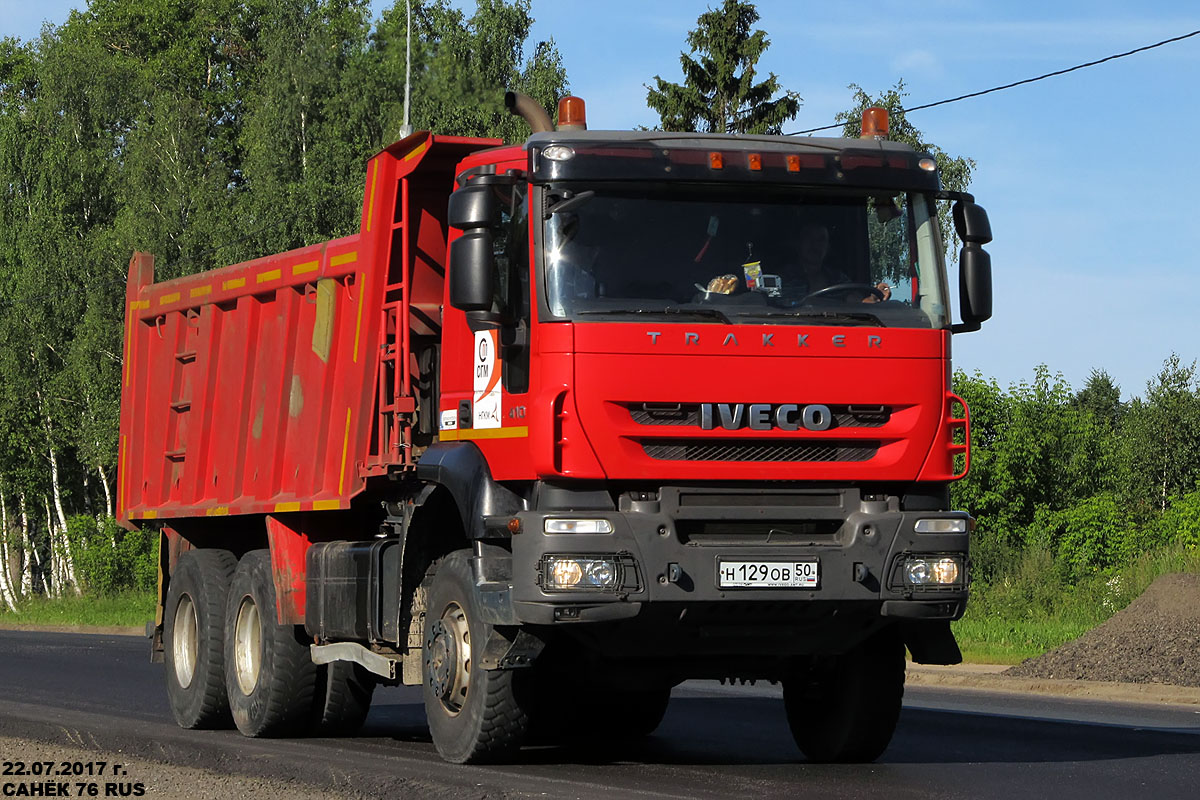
990 677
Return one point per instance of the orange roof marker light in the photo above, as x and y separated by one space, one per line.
716 160
572 115
755 161
874 123
793 163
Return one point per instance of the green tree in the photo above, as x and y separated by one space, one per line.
955 171
1161 445
719 93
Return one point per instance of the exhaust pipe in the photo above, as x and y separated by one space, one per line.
527 108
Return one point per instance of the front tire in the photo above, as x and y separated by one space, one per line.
475 715
269 673
845 710
194 638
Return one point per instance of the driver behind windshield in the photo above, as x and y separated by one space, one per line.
812 274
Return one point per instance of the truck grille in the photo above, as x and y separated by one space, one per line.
844 416
733 533
785 450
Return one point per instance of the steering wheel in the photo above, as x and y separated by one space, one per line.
843 287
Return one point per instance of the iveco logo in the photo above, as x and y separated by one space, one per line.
764 416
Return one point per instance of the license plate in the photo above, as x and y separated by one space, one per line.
795 574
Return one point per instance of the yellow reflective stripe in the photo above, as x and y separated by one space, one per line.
515 432
344 258
345 447
306 267
151 514
200 291
233 283
358 323
279 507
173 297
139 304
269 275
327 505
219 511
421 148
371 202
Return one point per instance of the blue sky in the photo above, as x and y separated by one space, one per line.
1090 179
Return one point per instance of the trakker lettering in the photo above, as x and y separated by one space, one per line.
768 339
764 416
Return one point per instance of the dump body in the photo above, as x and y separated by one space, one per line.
281 384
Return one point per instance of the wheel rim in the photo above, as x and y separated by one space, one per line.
184 647
247 645
448 658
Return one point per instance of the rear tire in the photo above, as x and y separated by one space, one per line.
845 710
475 715
194 638
346 689
269 673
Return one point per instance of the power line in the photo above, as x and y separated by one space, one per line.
1020 83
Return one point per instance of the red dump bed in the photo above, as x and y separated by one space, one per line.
283 383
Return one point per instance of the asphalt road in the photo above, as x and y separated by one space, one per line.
100 692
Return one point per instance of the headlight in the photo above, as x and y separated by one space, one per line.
932 571
597 573
578 526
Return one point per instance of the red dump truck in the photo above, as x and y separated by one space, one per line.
566 423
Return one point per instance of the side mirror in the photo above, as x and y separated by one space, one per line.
472 262
473 206
971 223
974 287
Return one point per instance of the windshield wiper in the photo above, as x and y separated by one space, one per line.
829 316
712 313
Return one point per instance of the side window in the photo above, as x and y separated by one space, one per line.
511 247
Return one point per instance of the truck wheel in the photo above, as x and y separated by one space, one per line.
194 638
846 709
346 689
475 715
269 673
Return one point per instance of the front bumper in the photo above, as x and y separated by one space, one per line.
674 538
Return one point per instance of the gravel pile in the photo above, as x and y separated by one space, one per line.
1155 640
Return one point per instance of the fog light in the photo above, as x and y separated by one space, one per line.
945 570
578 526
580 572
932 570
566 573
958 525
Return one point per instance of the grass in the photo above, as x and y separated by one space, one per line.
129 608
1034 606
999 641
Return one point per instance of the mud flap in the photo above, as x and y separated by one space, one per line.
510 647
931 642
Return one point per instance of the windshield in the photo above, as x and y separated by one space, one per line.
738 254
